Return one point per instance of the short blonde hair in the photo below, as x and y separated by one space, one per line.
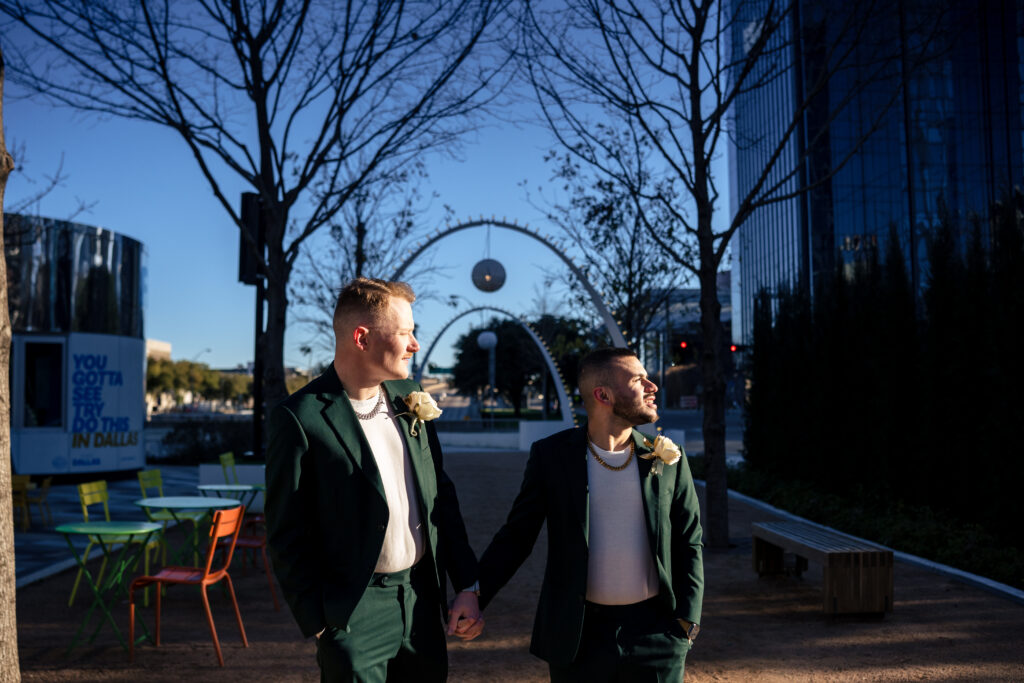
368 297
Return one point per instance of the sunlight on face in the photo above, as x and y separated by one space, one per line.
392 343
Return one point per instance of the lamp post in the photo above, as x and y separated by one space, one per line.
488 340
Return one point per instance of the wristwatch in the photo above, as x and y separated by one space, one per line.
690 629
475 589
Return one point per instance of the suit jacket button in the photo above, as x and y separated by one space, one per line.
382 527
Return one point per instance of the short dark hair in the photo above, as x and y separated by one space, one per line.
593 365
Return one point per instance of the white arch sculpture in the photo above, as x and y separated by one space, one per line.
610 323
556 373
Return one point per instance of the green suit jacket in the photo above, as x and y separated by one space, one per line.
326 510
555 490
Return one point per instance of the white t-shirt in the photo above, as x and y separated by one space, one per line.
620 569
404 541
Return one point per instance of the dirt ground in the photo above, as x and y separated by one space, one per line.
753 629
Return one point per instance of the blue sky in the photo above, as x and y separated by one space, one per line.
143 183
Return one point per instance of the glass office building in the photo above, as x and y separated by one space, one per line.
924 117
75 298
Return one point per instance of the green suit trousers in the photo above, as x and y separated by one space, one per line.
394 635
641 643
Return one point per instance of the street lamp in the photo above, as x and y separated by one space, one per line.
196 357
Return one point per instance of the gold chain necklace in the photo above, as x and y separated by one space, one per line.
613 468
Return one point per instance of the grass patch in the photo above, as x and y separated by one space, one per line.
914 529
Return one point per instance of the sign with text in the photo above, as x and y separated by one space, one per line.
106 402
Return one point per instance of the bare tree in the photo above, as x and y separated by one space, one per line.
305 102
368 237
39 188
620 258
9 667
666 74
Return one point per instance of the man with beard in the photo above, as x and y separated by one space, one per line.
624 581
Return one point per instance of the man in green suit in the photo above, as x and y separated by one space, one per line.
362 522
622 591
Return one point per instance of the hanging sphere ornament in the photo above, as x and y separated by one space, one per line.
488 275
487 340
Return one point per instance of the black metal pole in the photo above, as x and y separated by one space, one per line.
257 373
251 272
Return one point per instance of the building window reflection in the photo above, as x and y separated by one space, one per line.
44 394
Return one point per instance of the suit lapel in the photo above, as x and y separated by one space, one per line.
575 464
650 487
338 413
419 447
419 451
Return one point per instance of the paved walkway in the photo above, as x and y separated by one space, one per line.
40 552
765 630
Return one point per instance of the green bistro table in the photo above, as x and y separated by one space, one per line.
246 492
109 534
180 504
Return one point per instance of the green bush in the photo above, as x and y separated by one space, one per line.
872 391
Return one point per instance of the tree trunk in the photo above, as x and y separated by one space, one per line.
271 344
716 525
274 388
9 667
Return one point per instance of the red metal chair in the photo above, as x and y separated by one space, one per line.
257 541
225 525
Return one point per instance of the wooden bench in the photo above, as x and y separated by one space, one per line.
858 574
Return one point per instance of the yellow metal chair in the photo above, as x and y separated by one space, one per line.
95 493
227 463
19 495
151 480
39 497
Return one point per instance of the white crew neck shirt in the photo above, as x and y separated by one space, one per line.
404 542
620 567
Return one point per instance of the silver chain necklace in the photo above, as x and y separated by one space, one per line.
376 409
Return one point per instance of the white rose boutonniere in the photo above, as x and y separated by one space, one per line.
665 450
422 408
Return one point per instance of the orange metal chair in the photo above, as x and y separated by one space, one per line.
226 525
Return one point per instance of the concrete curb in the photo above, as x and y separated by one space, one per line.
55 568
989 585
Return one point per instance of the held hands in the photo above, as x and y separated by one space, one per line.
465 620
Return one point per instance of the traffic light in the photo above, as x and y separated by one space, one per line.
682 350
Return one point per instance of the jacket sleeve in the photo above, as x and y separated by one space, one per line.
515 540
292 521
687 547
456 555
